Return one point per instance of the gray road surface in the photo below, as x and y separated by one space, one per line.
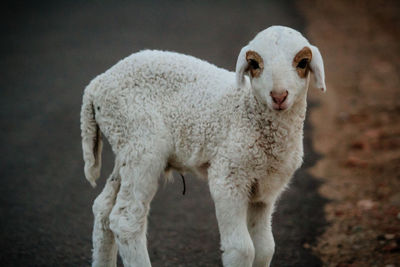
49 52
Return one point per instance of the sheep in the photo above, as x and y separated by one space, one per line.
240 131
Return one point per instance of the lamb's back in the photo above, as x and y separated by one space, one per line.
161 74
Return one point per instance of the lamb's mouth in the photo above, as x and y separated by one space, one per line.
279 107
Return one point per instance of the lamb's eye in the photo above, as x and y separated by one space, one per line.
254 64
303 63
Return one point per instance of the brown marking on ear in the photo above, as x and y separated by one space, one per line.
255 63
303 54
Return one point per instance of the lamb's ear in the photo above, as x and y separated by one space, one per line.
248 60
317 67
241 67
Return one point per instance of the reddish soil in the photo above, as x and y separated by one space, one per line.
357 129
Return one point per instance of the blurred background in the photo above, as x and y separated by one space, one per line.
343 212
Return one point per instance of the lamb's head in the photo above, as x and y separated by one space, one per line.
278 61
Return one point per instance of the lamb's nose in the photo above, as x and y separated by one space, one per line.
279 97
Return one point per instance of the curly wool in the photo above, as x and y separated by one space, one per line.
196 107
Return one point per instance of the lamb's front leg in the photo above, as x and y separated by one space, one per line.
259 223
231 209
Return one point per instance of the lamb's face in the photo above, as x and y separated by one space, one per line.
279 75
278 62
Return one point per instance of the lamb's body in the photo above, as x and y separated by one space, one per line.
170 92
199 111
163 111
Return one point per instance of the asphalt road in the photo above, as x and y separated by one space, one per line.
49 53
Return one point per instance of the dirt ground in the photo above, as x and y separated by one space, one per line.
357 129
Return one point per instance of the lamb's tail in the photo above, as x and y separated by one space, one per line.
92 143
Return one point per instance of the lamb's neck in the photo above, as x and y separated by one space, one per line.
291 119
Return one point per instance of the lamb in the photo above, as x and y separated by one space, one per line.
242 132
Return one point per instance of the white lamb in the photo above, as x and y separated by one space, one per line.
164 111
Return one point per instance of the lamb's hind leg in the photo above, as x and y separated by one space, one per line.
128 219
104 247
